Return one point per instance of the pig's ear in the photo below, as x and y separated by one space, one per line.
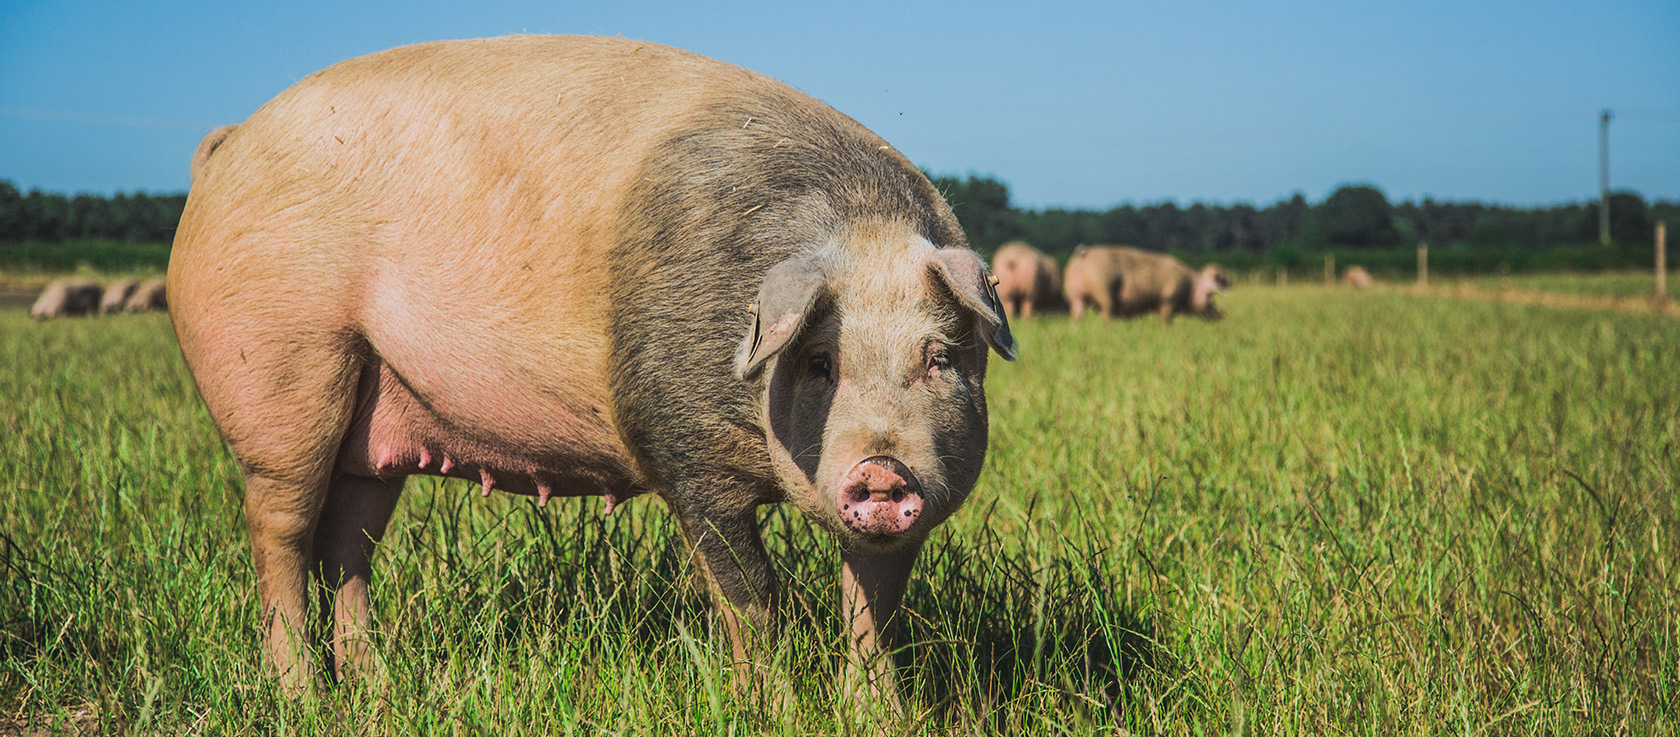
965 274
784 303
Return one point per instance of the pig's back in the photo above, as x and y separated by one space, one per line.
476 179
1148 271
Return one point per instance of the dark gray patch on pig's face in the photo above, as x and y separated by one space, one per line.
800 392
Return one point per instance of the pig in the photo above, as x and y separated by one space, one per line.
148 296
1357 277
1121 281
117 294
1027 279
68 296
579 266
1211 280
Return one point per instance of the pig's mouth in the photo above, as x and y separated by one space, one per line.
880 498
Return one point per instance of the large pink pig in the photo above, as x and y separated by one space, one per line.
570 266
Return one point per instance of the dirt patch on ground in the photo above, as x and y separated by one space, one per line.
79 721
16 299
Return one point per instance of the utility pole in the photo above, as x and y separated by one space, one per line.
1604 178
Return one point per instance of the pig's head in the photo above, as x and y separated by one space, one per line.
1216 279
1210 280
873 364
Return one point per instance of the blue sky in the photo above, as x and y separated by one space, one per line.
1071 104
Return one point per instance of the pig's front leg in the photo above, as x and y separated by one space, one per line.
731 554
871 586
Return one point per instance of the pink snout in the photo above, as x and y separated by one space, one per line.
880 497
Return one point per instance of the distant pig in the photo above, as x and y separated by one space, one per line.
1210 280
575 266
117 294
1120 281
68 296
1357 277
149 296
1027 279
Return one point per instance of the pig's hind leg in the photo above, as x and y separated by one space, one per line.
280 385
285 431
352 522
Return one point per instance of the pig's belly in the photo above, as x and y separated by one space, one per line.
524 443
1134 302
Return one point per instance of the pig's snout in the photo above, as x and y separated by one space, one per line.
880 497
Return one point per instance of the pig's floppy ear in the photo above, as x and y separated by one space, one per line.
965 274
784 303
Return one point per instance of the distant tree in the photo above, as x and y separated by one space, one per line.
90 217
982 206
1630 220
1357 216
1241 230
1282 222
1503 226
1121 225
48 216
1163 227
1058 231
13 219
1668 212
1439 222
44 216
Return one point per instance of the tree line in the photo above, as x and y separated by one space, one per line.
1354 217
47 217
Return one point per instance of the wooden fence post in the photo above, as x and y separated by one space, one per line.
1662 260
1423 265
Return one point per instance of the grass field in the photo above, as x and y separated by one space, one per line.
1611 284
1330 513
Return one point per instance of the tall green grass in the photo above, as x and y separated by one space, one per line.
1331 512
1613 284
101 254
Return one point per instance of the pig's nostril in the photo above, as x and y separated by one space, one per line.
898 495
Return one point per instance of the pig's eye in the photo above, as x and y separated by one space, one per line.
938 357
821 366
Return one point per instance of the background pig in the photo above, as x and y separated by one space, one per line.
1028 279
1210 280
148 296
1356 277
529 263
69 296
1120 281
117 294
